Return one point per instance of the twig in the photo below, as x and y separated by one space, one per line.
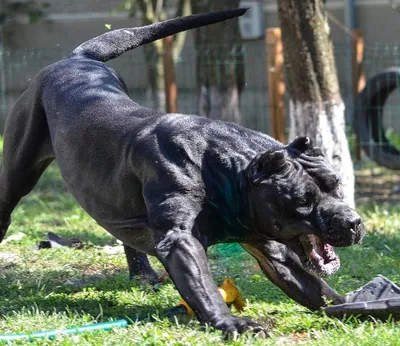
340 24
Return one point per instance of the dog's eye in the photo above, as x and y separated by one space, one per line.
334 185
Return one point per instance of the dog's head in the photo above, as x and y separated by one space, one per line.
296 198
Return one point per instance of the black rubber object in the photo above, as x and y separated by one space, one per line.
380 309
368 118
379 298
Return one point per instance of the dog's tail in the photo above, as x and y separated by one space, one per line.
114 43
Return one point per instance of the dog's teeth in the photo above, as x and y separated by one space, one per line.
352 231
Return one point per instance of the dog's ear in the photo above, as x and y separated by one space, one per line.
301 144
305 145
267 163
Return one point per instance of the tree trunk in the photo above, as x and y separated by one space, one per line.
220 69
316 107
154 56
156 75
153 11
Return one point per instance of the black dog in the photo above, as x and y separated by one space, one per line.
170 185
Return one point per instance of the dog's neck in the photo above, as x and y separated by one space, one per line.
259 231
233 207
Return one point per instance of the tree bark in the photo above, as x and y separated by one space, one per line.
220 69
154 57
153 11
156 75
316 107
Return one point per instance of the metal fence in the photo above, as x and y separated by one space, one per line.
18 67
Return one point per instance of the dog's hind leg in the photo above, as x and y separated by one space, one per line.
139 266
27 152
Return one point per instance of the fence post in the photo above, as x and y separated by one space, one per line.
276 85
358 56
358 75
171 92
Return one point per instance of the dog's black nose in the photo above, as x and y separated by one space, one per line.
348 223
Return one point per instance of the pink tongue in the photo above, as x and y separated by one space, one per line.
328 263
316 258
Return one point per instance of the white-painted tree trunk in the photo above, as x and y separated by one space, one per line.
220 72
325 123
215 104
316 107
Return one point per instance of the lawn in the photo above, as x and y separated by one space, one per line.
61 288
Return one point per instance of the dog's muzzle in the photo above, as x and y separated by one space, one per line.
345 229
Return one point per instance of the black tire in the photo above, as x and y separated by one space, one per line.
368 118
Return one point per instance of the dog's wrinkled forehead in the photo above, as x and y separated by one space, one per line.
314 163
299 160
321 171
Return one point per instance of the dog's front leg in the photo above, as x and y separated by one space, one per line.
284 269
172 216
185 260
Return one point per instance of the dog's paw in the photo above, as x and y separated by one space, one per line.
232 326
145 278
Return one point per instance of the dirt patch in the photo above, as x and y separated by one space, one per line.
8 260
377 185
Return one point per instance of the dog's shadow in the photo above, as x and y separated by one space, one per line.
112 297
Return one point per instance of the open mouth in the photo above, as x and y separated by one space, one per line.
320 258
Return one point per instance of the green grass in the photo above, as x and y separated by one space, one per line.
34 295
393 137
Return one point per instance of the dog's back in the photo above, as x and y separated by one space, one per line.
82 92
78 112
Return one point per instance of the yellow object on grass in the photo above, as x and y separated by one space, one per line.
229 292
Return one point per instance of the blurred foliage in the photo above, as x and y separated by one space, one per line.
35 11
393 137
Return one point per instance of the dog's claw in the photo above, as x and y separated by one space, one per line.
232 327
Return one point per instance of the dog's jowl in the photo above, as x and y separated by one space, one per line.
170 185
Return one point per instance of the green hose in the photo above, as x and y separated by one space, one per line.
51 334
